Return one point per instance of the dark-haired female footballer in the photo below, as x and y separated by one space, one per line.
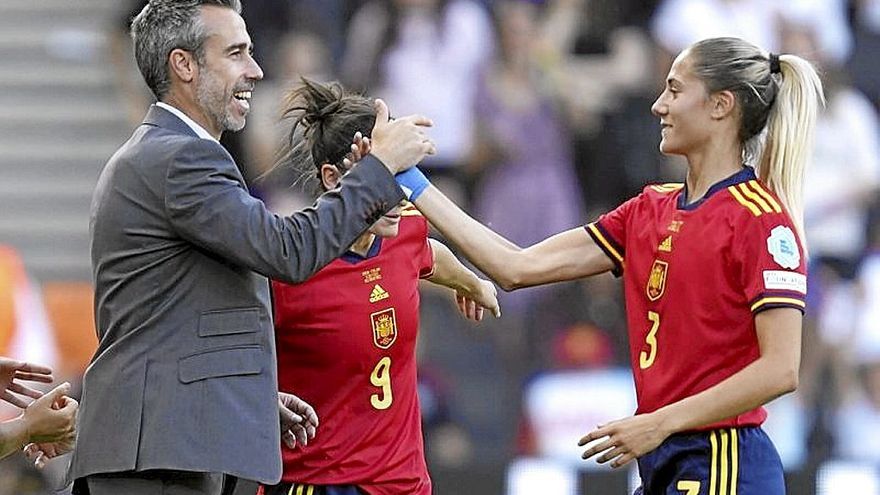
346 337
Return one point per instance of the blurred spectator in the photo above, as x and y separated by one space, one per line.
300 54
527 189
604 71
845 176
867 338
863 64
582 346
447 443
857 423
423 56
679 23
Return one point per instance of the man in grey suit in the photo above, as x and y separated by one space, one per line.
181 395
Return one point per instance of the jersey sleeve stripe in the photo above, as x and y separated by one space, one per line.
778 302
743 201
767 196
609 246
755 198
784 294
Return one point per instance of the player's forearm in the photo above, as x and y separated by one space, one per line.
490 252
13 435
755 385
450 272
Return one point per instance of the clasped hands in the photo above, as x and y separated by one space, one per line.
49 420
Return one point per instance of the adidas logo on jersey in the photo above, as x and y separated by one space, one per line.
378 294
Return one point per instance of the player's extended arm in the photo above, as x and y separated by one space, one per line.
566 256
774 373
470 290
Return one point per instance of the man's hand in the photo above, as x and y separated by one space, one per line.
13 372
298 420
471 303
400 143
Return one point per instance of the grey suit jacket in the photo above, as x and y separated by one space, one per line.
184 376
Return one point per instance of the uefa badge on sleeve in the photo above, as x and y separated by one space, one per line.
782 245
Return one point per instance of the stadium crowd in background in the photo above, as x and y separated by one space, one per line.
583 73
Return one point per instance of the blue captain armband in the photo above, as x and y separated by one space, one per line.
413 182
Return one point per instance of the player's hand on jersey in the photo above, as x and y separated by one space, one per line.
400 143
299 421
13 372
472 303
624 440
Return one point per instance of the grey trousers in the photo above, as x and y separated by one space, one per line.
158 482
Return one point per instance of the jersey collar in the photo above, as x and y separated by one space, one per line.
744 175
354 258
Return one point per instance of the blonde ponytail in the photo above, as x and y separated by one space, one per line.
778 99
788 144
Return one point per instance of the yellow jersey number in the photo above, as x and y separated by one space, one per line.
646 359
689 487
381 377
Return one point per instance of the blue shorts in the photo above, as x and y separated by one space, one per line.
729 461
303 489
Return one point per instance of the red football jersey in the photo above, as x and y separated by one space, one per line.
694 276
346 345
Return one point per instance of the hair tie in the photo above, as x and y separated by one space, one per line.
774 63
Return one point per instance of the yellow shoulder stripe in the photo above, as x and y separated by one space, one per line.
743 201
783 300
752 195
667 188
607 245
766 195
410 213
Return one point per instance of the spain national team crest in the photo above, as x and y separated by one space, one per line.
384 328
657 280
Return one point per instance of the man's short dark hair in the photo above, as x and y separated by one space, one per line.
164 25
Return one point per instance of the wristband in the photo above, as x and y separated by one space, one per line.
413 182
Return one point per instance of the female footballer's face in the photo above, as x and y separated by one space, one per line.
387 226
684 108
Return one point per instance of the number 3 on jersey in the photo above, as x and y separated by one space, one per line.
646 359
381 377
